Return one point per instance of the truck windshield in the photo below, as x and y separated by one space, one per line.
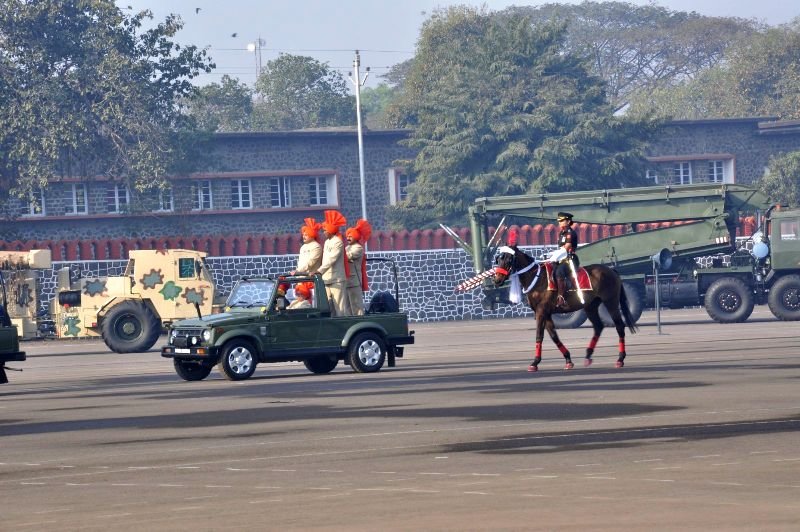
251 293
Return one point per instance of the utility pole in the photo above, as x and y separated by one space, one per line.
255 47
358 82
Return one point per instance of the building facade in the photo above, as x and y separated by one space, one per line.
266 183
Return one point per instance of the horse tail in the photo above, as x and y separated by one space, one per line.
626 311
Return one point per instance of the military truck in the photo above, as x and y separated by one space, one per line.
704 220
9 339
131 311
258 327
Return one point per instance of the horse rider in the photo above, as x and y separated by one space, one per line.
568 262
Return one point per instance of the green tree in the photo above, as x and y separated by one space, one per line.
222 107
500 108
86 91
296 92
636 49
760 77
375 101
782 182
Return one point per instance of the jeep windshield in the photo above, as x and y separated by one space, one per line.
251 293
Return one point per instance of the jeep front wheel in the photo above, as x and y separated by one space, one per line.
191 371
238 360
366 353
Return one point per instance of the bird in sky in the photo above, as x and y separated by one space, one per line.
196 10
234 34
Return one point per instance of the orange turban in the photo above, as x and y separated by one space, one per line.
304 289
361 232
310 229
333 221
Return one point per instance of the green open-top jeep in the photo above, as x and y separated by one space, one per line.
258 326
9 337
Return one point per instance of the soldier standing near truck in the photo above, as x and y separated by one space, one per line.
334 267
310 257
357 277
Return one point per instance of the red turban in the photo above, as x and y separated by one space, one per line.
304 289
333 221
361 232
310 229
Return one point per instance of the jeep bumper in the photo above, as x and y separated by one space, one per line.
190 353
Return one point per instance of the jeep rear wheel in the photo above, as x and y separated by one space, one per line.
130 327
238 360
321 364
367 353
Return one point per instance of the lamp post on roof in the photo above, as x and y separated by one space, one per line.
255 47
358 82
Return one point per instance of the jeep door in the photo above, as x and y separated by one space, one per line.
294 329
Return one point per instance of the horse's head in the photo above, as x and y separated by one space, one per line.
503 264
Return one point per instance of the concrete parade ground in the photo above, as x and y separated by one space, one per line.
699 431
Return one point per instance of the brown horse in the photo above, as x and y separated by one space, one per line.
606 288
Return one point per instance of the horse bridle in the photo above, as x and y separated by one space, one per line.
513 269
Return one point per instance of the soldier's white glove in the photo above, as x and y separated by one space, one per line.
557 255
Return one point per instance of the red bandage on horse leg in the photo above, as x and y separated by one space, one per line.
621 345
563 348
593 342
538 350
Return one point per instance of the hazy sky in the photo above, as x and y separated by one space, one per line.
385 31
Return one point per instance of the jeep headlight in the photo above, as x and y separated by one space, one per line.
172 334
207 335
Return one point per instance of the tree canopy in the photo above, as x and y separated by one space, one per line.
636 48
222 107
499 108
296 92
760 77
86 91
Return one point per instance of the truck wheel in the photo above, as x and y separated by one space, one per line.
367 353
238 360
191 371
569 320
321 365
729 300
784 298
635 304
130 327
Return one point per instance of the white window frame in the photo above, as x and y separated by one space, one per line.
681 172
166 200
121 198
79 193
281 185
651 174
203 199
716 169
37 205
398 191
319 189
241 194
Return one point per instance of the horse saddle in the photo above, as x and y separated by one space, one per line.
583 278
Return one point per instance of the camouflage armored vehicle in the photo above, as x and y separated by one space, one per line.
131 311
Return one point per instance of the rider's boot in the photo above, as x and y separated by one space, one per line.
561 284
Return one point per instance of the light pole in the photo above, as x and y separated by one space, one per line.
255 47
358 82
